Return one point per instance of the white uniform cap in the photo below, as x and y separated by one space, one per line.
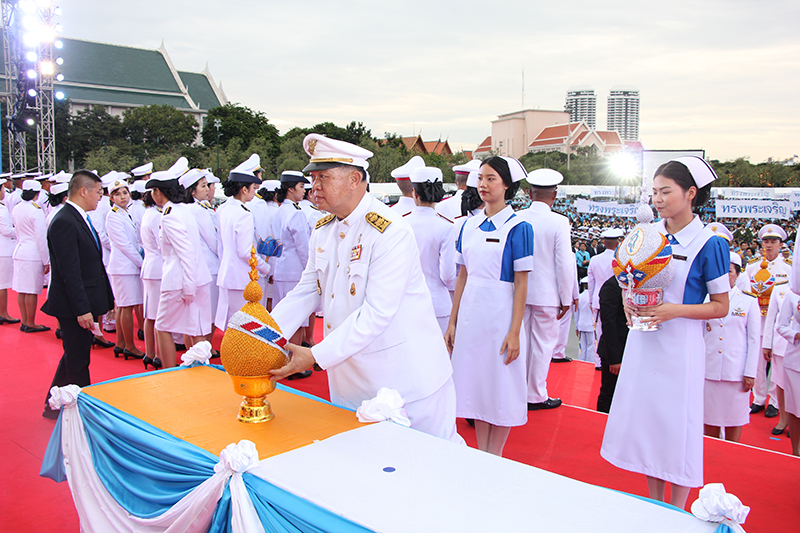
735 259
3 180
58 188
545 177
472 179
31 185
307 186
466 168
210 177
426 174
272 185
721 230
328 153
21 175
163 178
612 233
49 177
179 167
143 170
118 184
139 186
109 178
585 280
190 177
62 177
123 176
701 171
518 172
5 175
403 172
293 176
39 176
772 230
250 166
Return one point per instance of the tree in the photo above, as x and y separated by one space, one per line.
238 121
91 129
63 132
108 158
155 129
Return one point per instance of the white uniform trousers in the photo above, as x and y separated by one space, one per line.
598 331
542 327
436 414
587 351
763 385
564 329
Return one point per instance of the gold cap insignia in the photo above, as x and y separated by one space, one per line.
312 145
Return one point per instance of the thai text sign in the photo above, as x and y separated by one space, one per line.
753 209
607 209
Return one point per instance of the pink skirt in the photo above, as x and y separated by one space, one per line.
6 272
175 316
726 404
791 391
127 289
151 296
28 277
776 374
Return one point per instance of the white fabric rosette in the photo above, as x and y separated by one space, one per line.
386 405
66 396
199 354
715 505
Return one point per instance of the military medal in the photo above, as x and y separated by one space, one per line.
355 253
353 289
319 288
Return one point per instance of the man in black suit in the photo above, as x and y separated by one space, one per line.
79 288
612 341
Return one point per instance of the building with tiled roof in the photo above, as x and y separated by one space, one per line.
122 77
569 137
483 148
512 133
417 145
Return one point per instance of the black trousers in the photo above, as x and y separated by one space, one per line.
608 382
73 369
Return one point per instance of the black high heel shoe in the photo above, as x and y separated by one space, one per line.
58 333
118 350
154 362
128 353
103 343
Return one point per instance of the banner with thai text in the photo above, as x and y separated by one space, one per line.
608 192
753 209
607 209
796 201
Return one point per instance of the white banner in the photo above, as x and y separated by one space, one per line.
607 209
748 193
602 192
753 209
795 201
561 193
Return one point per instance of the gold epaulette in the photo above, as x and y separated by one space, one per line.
245 208
788 261
115 209
444 217
377 221
754 295
296 206
37 206
324 220
754 260
168 210
784 282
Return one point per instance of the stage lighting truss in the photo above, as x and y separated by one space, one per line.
30 35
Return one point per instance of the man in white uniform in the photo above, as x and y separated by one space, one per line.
763 274
402 175
451 207
550 297
599 271
380 328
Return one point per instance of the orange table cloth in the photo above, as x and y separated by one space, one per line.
199 405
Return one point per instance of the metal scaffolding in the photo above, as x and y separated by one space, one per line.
45 126
15 96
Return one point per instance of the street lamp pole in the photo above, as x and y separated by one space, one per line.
217 124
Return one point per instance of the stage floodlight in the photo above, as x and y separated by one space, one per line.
57 11
32 93
60 77
60 95
32 74
30 122
59 61
59 44
31 56
47 68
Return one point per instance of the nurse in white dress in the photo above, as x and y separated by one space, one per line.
290 226
238 235
8 241
435 236
655 425
149 234
484 337
732 346
789 329
196 185
124 267
185 303
31 256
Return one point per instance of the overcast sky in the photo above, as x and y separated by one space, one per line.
723 76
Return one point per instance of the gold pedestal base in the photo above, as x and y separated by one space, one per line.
255 410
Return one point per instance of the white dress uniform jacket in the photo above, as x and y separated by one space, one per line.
209 240
125 257
12 199
8 235
183 268
262 217
769 335
151 242
290 225
380 328
31 233
451 207
136 209
554 271
98 217
404 205
599 272
237 233
733 341
435 236
311 212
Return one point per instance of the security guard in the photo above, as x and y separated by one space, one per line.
764 273
380 327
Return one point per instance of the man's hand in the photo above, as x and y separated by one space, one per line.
575 305
562 312
767 354
187 298
86 321
46 269
747 383
302 359
614 369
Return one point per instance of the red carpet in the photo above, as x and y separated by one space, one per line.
565 440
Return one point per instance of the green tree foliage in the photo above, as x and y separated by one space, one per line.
742 173
238 121
155 129
108 158
91 129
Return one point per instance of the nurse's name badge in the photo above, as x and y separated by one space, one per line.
355 253
737 312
